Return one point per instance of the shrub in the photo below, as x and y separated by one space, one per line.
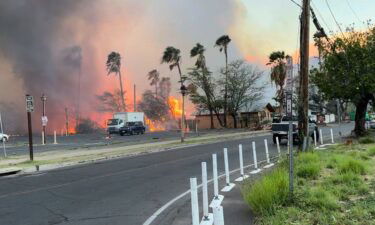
371 151
366 140
266 194
352 165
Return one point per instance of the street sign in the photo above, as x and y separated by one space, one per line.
44 120
29 103
289 104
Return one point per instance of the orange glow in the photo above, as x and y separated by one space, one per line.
155 126
175 106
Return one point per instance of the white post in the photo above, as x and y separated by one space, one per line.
54 138
243 176
255 160
321 136
278 146
194 201
218 215
269 164
316 144
226 165
43 143
3 141
228 185
204 191
217 198
333 141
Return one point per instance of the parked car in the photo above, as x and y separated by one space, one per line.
131 128
4 137
280 129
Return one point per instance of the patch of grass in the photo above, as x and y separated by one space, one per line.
268 193
308 170
322 199
352 165
371 151
366 140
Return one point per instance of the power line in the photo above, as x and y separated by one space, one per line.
334 18
321 16
351 8
299 5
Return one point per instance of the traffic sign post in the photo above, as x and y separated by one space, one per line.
29 110
289 113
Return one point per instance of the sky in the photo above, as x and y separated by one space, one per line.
38 34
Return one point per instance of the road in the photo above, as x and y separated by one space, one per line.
125 191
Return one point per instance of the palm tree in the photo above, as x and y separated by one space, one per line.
222 42
171 56
153 76
198 50
114 66
278 74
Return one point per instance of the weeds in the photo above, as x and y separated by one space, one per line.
366 140
352 165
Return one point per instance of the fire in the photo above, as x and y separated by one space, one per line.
175 106
155 126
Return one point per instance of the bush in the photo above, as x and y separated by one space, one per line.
366 140
268 193
352 165
371 151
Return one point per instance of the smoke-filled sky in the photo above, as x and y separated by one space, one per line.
45 43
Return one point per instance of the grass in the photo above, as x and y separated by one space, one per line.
334 186
366 140
269 192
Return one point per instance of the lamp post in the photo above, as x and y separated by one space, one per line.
44 118
183 90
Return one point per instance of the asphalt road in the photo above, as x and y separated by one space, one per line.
124 191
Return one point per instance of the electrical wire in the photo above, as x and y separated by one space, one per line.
321 16
299 5
334 18
355 14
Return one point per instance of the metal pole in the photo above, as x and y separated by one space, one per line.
194 201
2 131
183 119
44 114
31 150
290 160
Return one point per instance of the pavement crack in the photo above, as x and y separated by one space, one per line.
53 212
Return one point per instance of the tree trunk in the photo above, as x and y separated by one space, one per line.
218 118
234 120
122 93
212 119
360 116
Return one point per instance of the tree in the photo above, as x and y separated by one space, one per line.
278 74
242 85
171 56
153 76
114 66
155 108
165 88
110 102
347 71
222 42
202 81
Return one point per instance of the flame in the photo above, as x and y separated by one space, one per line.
175 106
155 126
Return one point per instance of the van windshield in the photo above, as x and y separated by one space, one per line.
112 122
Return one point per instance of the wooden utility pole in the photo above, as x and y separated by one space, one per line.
303 105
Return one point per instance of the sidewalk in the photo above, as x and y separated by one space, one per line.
56 159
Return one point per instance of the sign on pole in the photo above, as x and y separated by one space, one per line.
44 120
29 103
289 104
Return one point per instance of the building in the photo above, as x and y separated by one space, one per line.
252 119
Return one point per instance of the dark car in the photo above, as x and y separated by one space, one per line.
131 128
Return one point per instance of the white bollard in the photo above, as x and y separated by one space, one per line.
243 176
269 164
321 136
278 146
194 201
217 198
315 142
228 185
43 143
54 138
333 141
207 217
218 215
255 160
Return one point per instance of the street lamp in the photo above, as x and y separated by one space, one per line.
183 90
44 118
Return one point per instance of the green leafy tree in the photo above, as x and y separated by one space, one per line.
114 66
348 71
222 42
277 60
154 108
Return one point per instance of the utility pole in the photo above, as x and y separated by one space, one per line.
44 118
29 110
66 121
303 105
183 126
135 104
